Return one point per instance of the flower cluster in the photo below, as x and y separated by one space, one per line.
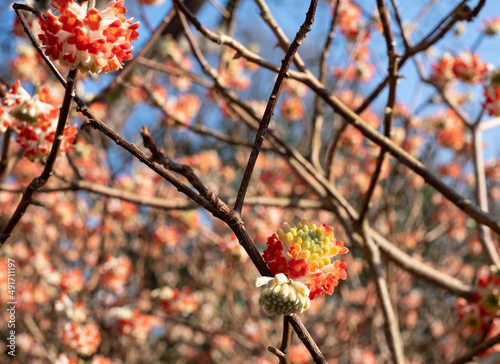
133 322
469 68
492 94
84 339
492 100
306 260
479 314
34 120
88 39
492 27
177 302
466 66
449 129
350 21
115 273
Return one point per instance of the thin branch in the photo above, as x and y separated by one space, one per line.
372 255
271 104
478 349
317 118
391 99
460 12
283 41
484 233
4 159
40 181
283 353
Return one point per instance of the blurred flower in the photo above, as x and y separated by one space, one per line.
34 119
84 339
469 68
491 27
177 302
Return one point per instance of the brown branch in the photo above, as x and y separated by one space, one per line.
372 255
40 181
484 233
271 104
4 159
446 24
283 41
391 99
478 349
464 204
317 117
283 353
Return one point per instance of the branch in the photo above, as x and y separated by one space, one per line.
271 104
317 118
478 349
40 181
4 159
372 255
446 24
283 41
391 99
484 233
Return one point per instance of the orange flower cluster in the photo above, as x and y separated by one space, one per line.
177 302
303 252
466 66
480 314
34 120
450 131
90 40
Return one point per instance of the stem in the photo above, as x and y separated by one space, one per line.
39 182
4 160
271 104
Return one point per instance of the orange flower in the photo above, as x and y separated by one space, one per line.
279 266
298 268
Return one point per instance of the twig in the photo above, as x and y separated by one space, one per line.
40 181
283 41
283 353
478 349
372 255
4 159
391 99
271 104
317 118
484 233
442 28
